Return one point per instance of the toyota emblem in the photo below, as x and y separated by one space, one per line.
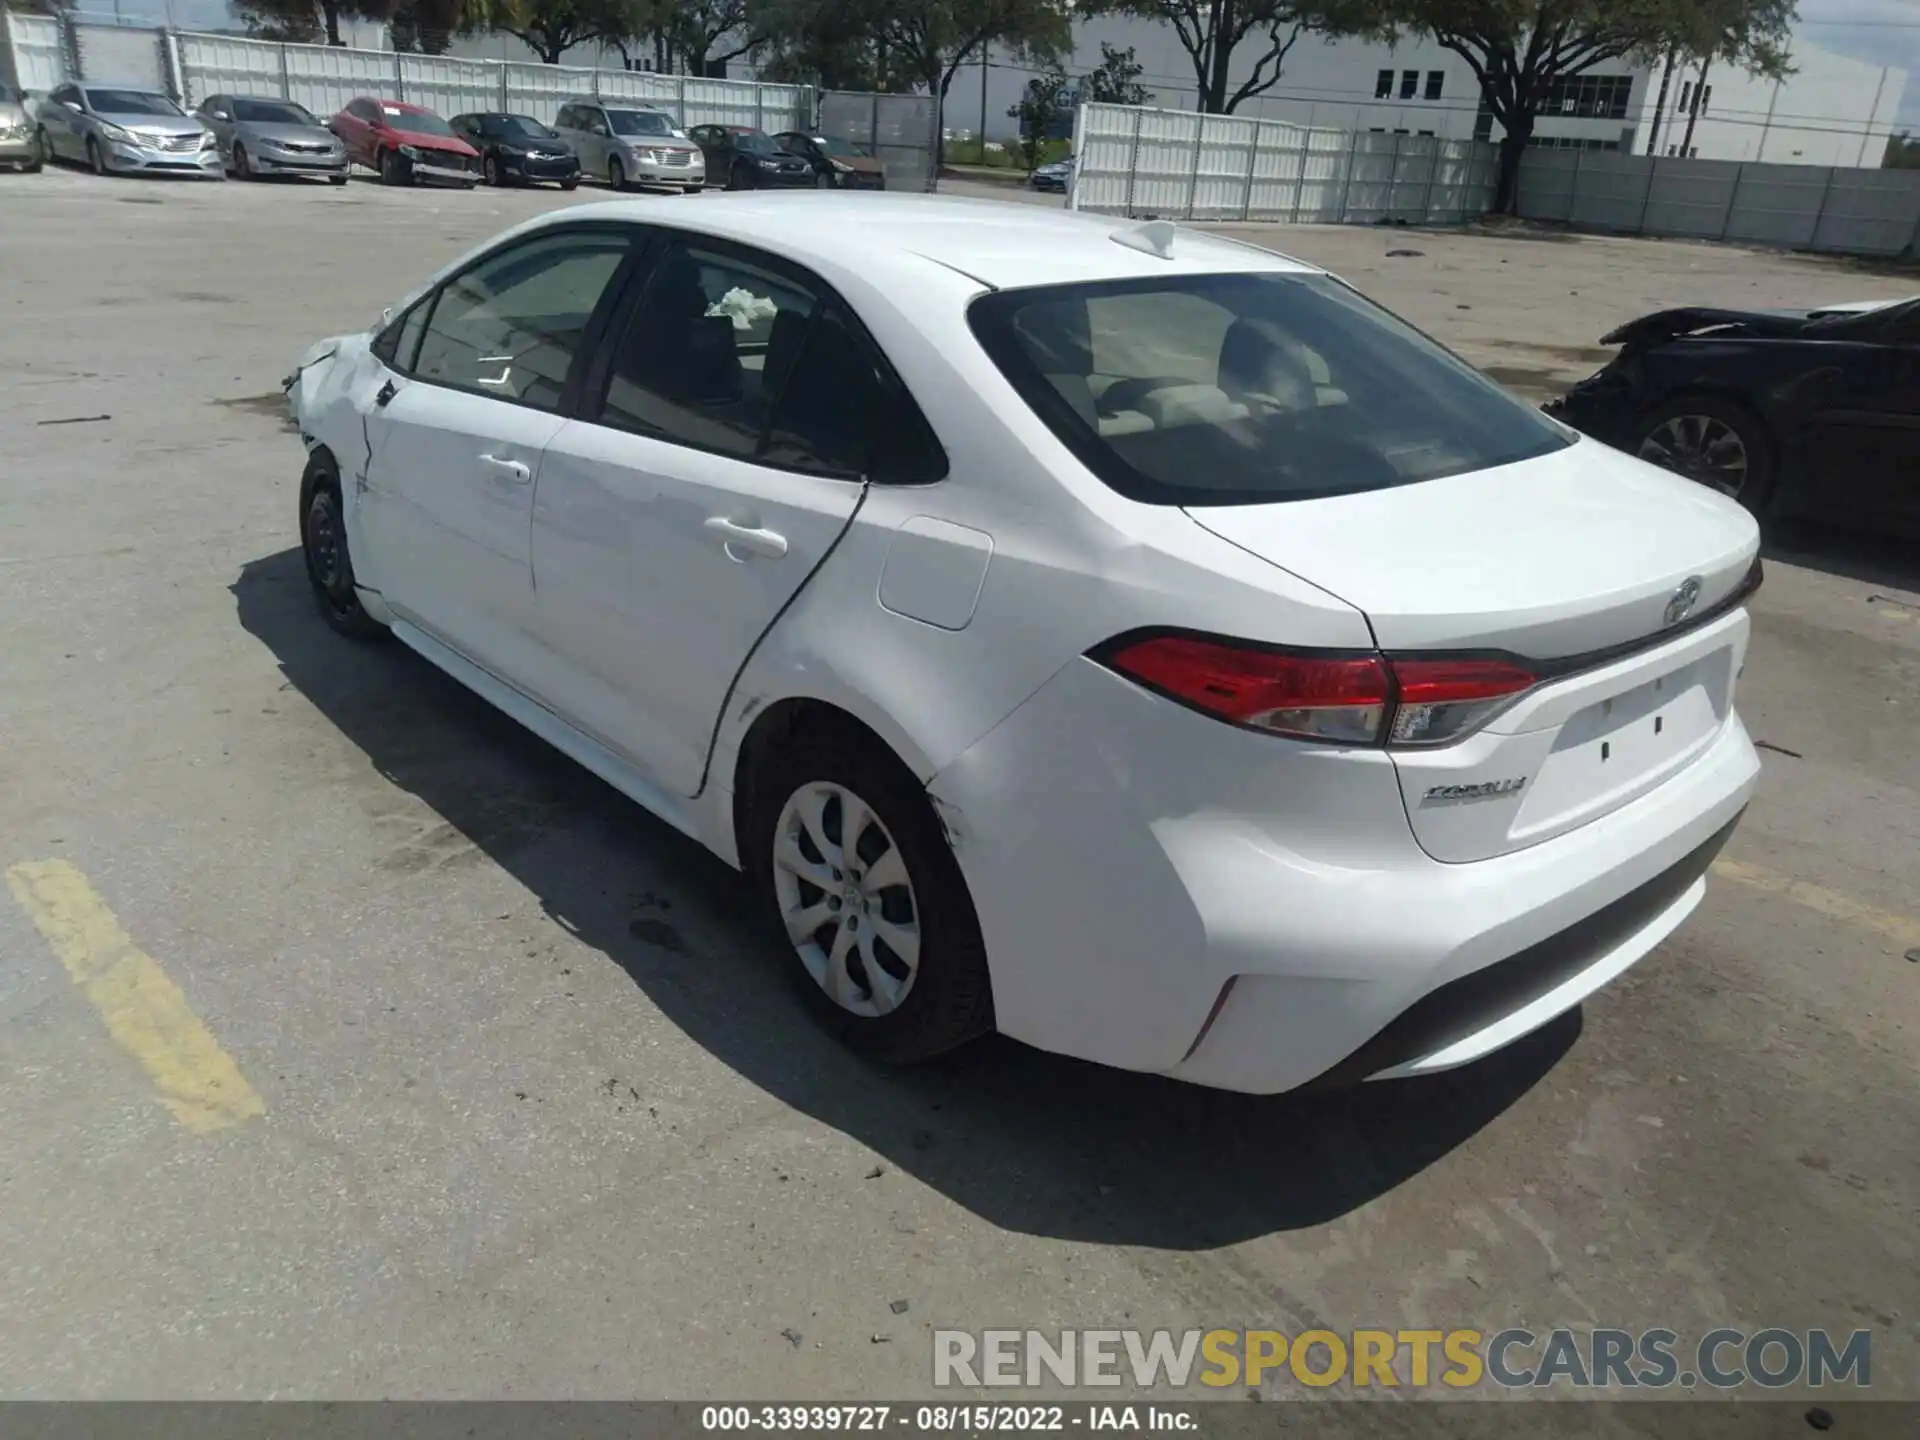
1680 604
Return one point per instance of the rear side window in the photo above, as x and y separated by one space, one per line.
511 325
1248 388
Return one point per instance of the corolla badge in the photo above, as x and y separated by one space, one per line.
1481 791
1680 604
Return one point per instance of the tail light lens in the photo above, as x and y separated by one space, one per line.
1441 700
1337 698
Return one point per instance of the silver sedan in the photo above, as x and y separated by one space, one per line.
119 130
18 144
261 136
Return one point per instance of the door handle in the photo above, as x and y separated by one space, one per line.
514 470
747 537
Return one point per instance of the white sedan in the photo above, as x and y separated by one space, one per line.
1130 640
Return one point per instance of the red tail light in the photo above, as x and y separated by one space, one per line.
1340 698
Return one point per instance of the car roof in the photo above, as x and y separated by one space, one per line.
999 243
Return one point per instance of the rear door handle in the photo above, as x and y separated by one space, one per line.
747 537
514 470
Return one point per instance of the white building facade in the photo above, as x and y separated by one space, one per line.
1830 111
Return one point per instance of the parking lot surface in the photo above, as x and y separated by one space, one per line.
496 1093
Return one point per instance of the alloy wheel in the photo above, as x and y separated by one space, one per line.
1701 448
846 899
326 560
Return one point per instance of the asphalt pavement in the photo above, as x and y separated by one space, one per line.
493 1090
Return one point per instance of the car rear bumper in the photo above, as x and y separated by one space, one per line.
1178 896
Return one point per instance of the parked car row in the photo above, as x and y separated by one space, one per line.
121 129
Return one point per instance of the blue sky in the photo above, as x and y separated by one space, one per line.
1882 32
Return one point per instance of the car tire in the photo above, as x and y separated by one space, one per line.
572 182
1711 427
616 174
822 182
96 159
242 167
739 178
42 147
693 189
942 997
323 545
336 179
491 171
393 168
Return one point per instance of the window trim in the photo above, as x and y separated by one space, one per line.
590 402
591 338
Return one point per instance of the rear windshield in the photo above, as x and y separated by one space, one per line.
639 122
1247 389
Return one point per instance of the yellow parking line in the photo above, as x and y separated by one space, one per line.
1844 908
145 1012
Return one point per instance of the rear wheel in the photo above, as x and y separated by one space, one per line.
323 541
855 869
393 168
1714 442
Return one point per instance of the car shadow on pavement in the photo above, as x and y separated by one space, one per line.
1031 1142
1872 559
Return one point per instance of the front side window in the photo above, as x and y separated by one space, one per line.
1249 388
753 142
512 325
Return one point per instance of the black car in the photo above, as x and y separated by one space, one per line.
518 148
743 158
1805 414
839 164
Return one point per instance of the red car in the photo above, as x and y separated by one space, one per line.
406 144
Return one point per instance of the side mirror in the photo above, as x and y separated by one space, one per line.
222 116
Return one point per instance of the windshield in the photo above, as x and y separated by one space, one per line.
523 127
414 122
131 102
754 142
640 122
272 112
1249 388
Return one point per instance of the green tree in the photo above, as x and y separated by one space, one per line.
1903 152
307 20
550 28
1218 33
1518 49
1116 80
1036 110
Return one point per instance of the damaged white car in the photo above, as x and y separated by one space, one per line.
1127 639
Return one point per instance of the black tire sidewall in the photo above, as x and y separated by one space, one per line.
340 607
96 157
951 999
1756 494
493 175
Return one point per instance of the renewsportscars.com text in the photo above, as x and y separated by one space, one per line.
1598 1358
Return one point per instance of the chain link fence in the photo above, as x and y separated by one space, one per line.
901 131
38 52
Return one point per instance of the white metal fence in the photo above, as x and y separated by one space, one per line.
39 52
1179 165
1800 207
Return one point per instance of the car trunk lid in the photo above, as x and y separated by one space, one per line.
1592 569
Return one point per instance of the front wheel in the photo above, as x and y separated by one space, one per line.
96 158
739 178
616 174
323 542
855 870
393 168
492 169
1714 442
336 179
572 182
42 149
242 167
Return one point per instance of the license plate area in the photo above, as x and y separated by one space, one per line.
1623 744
